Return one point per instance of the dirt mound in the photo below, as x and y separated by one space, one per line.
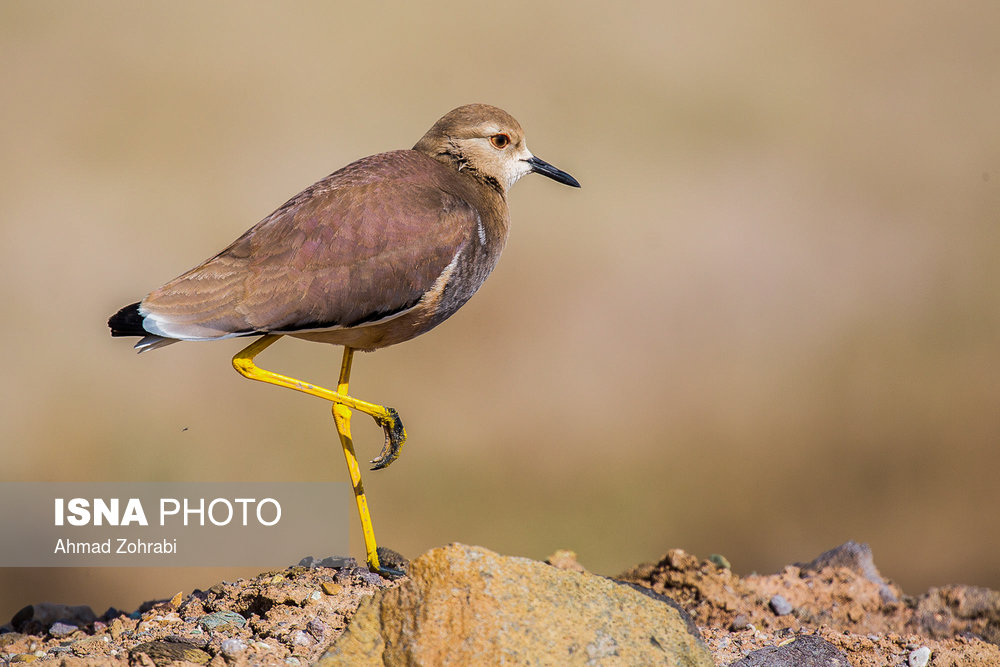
291 616
840 596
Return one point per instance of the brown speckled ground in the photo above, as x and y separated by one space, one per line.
290 617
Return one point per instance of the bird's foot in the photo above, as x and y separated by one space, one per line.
391 564
395 436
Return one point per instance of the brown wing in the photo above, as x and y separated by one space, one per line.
363 244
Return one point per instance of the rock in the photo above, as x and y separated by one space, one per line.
919 657
221 621
368 577
91 646
337 562
806 651
299 638
857 558
163 653
720 561
37 617
780 605
316 628
466 605
331 588
60 629
564 559
231 648
116 628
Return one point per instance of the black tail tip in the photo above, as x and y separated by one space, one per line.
127 322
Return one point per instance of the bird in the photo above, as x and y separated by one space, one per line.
375 254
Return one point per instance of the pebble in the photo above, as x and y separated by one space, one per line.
920 657
292 661
233 647
193 639
163 652
308 561
116 628
331 588
315 595
299 638
221 621
316 628
60 629
780 605
337 562
368 577
740 622
720 561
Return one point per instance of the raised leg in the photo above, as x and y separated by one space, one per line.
387 418
342 405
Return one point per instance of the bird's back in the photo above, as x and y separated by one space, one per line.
386 235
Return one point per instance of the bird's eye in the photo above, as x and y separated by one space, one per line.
500 140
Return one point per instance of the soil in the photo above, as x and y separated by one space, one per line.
840 597
289 617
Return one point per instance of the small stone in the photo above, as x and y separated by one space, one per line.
60 629
720 561
233 647
337 562
299 638
331 588
919 658
196 638
780 605
564 559
91 646
163 652
368 577
39 616
292 661
315 595
276 579
24 657
262 646
316 628
803 651
222 621
116 628
740 622
308 561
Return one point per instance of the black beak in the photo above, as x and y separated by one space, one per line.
545 169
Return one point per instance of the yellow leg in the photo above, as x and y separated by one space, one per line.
342 404
342 417
387 418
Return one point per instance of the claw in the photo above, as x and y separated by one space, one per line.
395 436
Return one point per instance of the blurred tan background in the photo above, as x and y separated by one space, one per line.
766 325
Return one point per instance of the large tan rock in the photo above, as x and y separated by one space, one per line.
468 606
